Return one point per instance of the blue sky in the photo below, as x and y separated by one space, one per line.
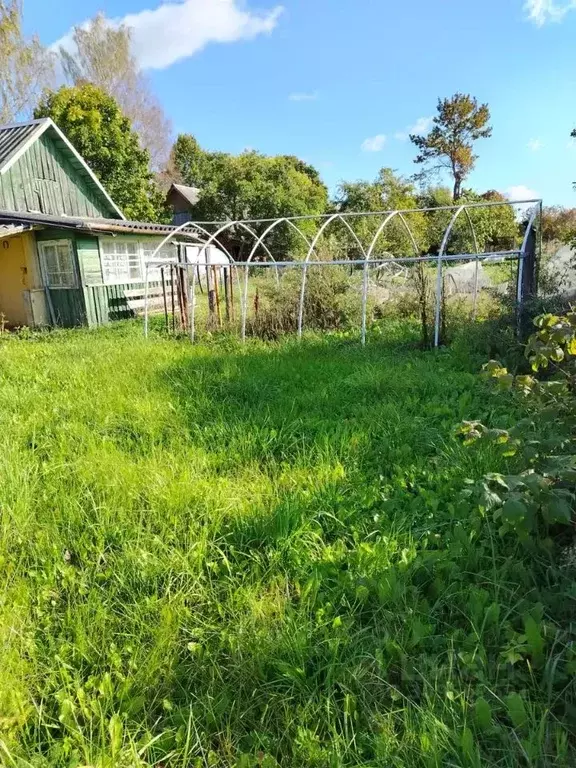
338 82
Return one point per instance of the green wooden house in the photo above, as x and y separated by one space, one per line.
68 257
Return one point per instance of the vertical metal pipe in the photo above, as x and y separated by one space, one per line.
364 301
438 301
441 253
301 305
146 302
475 304
244 301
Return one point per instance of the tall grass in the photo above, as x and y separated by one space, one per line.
260 556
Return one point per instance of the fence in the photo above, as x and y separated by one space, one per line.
362 233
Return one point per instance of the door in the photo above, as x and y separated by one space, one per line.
13 281
60 276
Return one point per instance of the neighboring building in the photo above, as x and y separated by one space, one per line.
67 255
180 201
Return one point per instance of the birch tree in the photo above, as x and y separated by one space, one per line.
102 54
26 67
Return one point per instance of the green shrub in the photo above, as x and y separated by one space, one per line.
540 494
332 301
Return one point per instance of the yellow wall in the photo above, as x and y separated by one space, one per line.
13 280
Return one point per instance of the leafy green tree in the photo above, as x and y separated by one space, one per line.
496 228
388 192
102 55
449 145
95 125
558 224
250 186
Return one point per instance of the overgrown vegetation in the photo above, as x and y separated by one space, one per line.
262 556
540 496
332 302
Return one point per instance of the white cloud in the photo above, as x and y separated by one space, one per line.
176 30
542 11
303 96
420 127
535 145
374 143
520 192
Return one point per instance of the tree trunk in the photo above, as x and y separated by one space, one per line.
457 192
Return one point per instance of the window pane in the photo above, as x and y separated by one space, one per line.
121 261
59 264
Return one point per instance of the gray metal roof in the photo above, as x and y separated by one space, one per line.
190 194
12 137
91 225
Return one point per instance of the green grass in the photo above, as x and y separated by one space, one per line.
258 556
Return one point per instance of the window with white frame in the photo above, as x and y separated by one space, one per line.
121 260
124 259
58 263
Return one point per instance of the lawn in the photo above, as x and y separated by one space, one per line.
258 556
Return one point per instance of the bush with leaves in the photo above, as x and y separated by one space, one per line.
332 301
540 494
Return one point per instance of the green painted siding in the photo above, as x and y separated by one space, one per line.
93 303
44 180
105 303
89 260
69 307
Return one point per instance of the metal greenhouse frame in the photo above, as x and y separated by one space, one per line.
525 255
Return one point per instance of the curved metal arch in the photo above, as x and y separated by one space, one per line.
441 254
248 261
379 232
382 227
367 259
477 264
410 233
476 246
325 225
229 224
243 294
232 267
170 236
307 259
270 228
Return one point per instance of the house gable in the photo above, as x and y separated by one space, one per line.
46 175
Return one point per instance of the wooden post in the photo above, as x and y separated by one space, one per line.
163 276
172 301
232 314
210 290
256 303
